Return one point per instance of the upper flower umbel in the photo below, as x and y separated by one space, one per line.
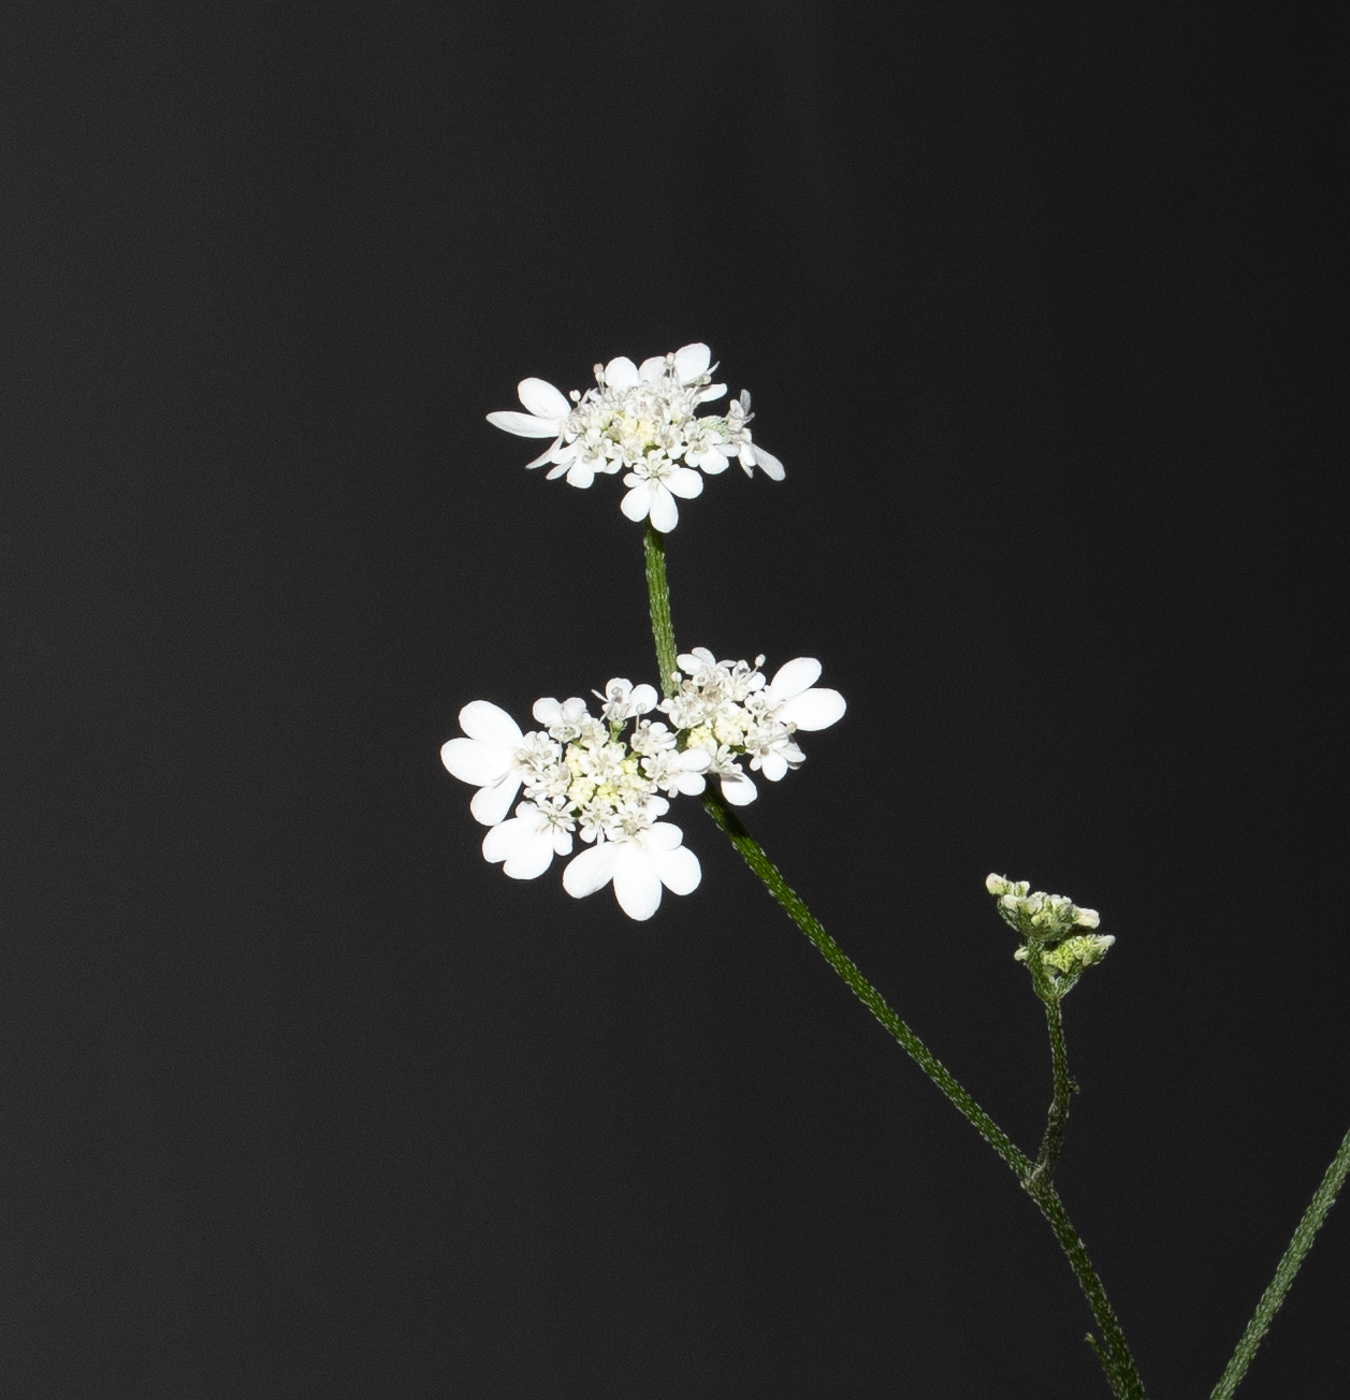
640 419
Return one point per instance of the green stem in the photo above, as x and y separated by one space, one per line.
1323 1199
1117 1361
1043 1173
754 857
658 591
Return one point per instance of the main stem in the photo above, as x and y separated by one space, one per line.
753 854
1116 1361
658 593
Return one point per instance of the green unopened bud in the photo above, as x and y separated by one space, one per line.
1074 954
1001 885
1053 924
1046 918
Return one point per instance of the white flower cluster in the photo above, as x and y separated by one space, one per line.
583 776
639 419
727 711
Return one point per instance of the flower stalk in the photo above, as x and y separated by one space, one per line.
658 592
753 855
1039 1179
1035 1177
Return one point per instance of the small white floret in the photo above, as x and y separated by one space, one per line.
794 698
486 758
527 842
639 865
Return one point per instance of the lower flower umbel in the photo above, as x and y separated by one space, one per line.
607 780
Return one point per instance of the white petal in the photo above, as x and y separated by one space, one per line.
679 870
549 454
710 460
621 373
472 762
637 502
685 483
590 871
531 857
696 760
713 391
774 766
651 369
813 709
523 425
504 838
769 464
664 512
547 710
692 360
662 836
543 400
481 719
794 677
637 886
642 699
738 789
491 804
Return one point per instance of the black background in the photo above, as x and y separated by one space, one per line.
300 1096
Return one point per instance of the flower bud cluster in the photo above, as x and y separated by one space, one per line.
1074 954
1040 916
640 419
1053 924
596 778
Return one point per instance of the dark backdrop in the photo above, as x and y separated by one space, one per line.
300 1097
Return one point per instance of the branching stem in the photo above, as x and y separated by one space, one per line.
1116 1359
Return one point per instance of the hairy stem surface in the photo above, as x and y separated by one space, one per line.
1323 1199
754 857
1043 1173
658 592
1116 1359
